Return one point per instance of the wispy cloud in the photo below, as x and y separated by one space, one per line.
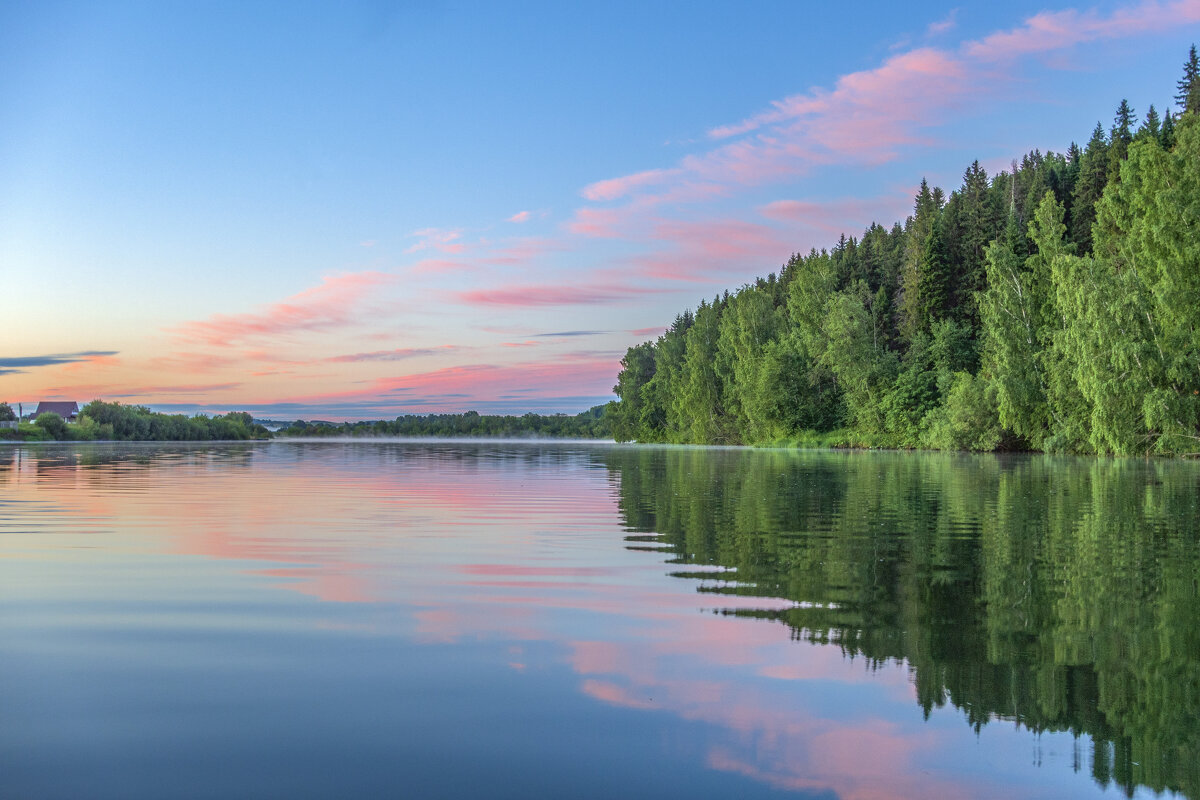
1057 30
21 364
443 240
838 215
537 295
699 250
586 374
92 391
333 303
943 25
616 188
519 217
569 333
401 354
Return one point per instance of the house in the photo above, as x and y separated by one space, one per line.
68 410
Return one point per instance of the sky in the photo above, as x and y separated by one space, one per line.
361 210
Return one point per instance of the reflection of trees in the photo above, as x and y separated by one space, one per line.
1058 593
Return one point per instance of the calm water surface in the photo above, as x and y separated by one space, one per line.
567 620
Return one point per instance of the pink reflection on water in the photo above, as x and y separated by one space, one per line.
492 550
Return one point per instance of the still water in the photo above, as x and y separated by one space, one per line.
456 619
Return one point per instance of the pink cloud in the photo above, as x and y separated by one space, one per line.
194 362
1056 30
570 374
535 295
865 118
700 249
947 23
521 250
138 393
837 216
333 303
616 188
438 266
440 239
884 94
597 222
520 216
399 354
655 331
91 361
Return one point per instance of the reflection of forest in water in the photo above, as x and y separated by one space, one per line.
1059 593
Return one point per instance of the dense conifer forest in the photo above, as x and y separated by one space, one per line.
1050 307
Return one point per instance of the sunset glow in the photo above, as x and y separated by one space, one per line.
354 213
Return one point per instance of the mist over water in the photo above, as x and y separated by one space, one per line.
578 619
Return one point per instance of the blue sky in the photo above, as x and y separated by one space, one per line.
367 209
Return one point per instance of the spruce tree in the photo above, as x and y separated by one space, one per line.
976 227
1120 137
1093 177
1167 136
1151 127
1189 87
925 210
933 286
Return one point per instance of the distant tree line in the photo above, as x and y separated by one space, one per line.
1050 307
99 420
590 424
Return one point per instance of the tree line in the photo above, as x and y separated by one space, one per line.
102 421
1051 307
590 424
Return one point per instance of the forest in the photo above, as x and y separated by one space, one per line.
1051 307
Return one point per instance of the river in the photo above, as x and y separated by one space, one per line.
557 619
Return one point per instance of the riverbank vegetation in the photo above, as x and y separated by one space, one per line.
590 424
1053 307
101 421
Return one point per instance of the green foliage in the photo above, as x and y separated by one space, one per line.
102 420
934 283
634 415
1013 312
968 419
53 424
1055 307
591 424
6 413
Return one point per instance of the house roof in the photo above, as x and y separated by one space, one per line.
67 408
